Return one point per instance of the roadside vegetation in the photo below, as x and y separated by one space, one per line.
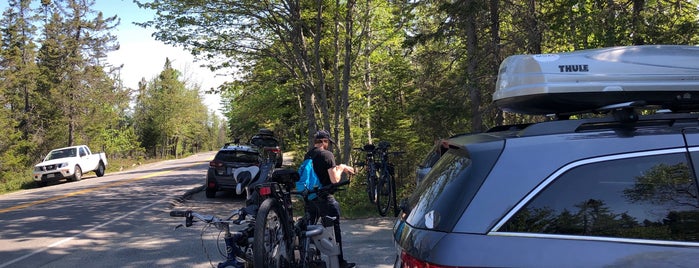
407 72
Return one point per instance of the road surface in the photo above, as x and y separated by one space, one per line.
122 220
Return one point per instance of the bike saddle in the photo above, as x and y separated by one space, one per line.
384 144
244 176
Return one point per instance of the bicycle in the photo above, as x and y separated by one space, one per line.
282 242
371 171
382 187
238 251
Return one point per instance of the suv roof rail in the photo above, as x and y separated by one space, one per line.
610 122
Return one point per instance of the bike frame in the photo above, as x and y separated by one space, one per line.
371 168
321 235
386 180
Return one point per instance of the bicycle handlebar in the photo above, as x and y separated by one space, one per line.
325 189
221 224
372 149
192 214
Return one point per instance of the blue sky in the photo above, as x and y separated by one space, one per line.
143 56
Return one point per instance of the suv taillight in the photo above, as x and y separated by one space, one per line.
412 262
215 164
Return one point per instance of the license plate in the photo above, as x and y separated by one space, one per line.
50 176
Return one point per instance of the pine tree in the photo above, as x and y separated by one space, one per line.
17 87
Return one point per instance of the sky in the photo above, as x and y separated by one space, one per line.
144 57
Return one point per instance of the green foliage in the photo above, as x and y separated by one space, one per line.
368 71
415 72
170 118
56 90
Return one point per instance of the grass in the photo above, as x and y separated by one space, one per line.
18 181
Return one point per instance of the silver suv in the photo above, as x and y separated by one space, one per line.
613 191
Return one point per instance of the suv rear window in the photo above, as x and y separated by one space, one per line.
649 197
439 201
237 156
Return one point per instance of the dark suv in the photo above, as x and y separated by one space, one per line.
618 189
221 169
269 146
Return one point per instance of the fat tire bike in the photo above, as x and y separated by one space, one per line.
281 241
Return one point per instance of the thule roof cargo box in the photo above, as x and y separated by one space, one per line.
666 76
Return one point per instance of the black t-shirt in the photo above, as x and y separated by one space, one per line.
322 161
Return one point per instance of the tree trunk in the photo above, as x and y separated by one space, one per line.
345 80
495 36
473 89
636 22
336 71
367 74
325 115
301 59
534 46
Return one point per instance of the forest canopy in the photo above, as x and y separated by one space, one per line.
408 72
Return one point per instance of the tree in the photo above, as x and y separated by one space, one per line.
70 62
290 32
170 118
17 86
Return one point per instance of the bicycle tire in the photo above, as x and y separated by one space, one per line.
383 193
272 245
396 209
371 186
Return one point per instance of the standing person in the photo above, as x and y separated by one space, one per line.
328 173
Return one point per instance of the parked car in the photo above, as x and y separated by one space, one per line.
220 175
69 163
270 148
614 190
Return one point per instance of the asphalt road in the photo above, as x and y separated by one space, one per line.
122 220
367 242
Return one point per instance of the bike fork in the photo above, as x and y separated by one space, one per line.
231 251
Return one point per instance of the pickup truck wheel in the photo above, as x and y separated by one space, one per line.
78 174
100 170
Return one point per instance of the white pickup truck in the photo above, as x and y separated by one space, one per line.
69 163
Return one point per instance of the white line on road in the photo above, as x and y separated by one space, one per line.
82 233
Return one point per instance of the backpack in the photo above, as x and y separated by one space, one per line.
308 178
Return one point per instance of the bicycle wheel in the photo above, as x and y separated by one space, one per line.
272 244
396 209
383 193
371 186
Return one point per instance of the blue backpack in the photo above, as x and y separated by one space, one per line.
308 178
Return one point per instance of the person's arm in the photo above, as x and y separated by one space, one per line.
335 172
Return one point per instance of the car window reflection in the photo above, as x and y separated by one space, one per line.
652 197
